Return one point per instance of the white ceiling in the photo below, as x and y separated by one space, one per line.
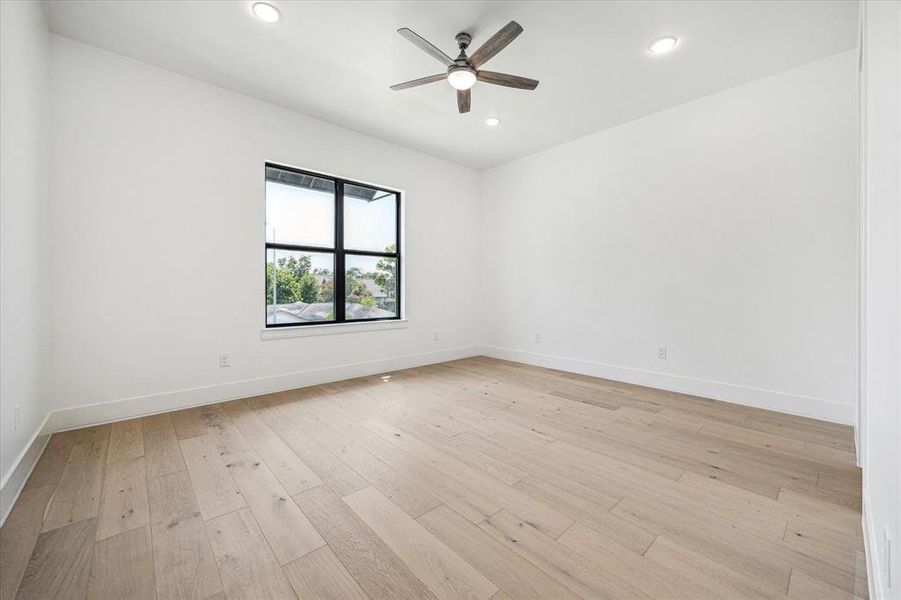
335 60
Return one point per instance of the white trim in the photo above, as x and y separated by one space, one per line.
785 402
871 549
279 333
14 479
129 408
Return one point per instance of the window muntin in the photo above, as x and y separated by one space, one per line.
328 240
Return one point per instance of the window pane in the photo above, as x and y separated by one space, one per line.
300 209
300 286
370 219
371 287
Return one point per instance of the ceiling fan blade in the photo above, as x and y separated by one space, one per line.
464 98
417 82
425 46
495 44
513 81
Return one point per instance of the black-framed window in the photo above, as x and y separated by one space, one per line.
332 249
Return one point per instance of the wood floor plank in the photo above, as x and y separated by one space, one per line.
123 503
248 567
19 535
569 568
329 412
709 573
461 450
721 492
330 469
543 472
410 496
472 505
835 547
751 437
288 531
49 468
492 467
293 474
183 562
439 567
829 455
613 477
540 515
126 441
162 452
805 587
862 587
187 423
514 574
849 484
765 561
77 495
157 422
582 508
321 575
61 563
381 574
123 567
214 487
713 537
839 516
656 580
213 418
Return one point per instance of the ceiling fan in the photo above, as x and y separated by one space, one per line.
463 72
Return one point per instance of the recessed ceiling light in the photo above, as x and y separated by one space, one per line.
492 121
663 45
266 12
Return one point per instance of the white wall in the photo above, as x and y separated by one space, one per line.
157 228
880 426
24 309
724 229
607 246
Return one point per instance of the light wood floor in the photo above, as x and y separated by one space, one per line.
471 479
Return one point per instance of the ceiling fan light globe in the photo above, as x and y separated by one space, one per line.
461 78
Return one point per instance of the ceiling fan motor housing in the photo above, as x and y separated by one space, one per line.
463 40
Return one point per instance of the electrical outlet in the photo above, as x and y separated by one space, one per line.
537 338
224 360
661 352
436 336
17 411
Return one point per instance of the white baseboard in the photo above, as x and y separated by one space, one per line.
129 408
14 479
871 542
804 406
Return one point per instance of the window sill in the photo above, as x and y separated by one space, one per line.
278 333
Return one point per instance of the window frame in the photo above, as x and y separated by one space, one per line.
339 251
